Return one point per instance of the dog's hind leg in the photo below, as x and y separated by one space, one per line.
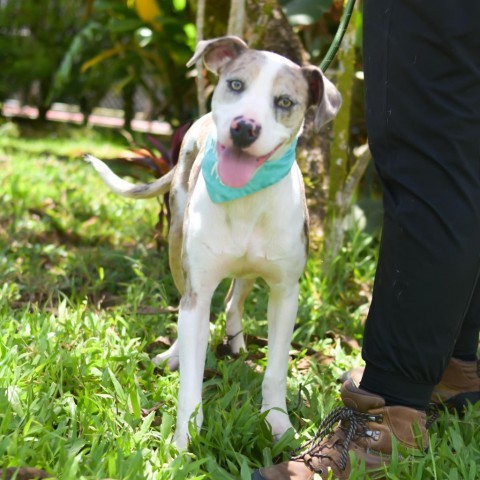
239 290
171 356
175 239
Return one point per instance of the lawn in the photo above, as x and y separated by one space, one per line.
86 299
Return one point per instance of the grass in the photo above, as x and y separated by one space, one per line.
84 295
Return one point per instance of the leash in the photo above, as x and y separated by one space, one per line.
337 40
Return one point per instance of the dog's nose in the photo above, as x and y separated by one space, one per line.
244 132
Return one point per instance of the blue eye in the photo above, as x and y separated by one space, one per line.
235 85
284 102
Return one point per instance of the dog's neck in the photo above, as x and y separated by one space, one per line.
271 172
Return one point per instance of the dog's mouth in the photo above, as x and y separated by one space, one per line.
236 167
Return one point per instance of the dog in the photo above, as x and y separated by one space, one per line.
238 211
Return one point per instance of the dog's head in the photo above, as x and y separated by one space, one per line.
261 98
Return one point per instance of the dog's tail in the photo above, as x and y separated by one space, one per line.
127 189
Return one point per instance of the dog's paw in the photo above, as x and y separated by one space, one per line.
189 419
279 423
181 440
163 359
237 343
278 436
169 358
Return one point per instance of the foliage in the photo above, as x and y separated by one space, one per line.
63 51
85 294
315 22
70 85
124 45
340 150
76 53
305 12
34 37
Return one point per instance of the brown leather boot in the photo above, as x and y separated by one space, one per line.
364 426
460 384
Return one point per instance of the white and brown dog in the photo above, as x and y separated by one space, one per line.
238 210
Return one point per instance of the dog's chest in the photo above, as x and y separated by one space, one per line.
259 235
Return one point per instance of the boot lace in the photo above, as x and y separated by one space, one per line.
353 423
433 414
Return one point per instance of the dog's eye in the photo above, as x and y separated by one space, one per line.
235 85
284 102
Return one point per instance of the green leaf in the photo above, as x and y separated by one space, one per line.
122 25
166 426
191 32
179 5
305 12
117 386
135 402
145 425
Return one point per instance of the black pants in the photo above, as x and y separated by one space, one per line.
422 79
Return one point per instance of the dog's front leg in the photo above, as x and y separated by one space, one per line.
282 312
193 335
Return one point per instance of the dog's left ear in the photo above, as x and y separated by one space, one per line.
323 95
218 52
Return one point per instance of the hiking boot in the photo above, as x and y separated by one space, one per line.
459 385
364 426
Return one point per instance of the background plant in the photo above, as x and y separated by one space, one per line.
142 43
34 37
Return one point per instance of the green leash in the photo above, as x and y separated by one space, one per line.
337 40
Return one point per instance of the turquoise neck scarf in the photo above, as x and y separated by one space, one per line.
266 175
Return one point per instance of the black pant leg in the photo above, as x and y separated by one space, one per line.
422 79
466 345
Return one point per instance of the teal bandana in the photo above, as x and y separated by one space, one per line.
266 175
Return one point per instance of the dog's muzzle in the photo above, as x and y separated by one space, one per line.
244 131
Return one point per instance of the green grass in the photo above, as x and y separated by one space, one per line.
84 294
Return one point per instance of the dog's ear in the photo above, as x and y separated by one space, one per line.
218 52
323 95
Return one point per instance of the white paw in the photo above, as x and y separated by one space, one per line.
237 343
186 421
170 357
181 439
172 362
279 422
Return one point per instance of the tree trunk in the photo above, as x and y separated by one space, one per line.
236 19
345 167
128 93
267 28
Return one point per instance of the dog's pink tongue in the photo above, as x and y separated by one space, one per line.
236 167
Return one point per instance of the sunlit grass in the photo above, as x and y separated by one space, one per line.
84 294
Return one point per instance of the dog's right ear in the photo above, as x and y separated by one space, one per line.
218 52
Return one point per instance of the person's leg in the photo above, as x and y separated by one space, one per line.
460 382
466 346
422 78
422 73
